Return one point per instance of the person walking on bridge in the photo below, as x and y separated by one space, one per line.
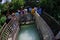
14 18
32 11
39 10
8 18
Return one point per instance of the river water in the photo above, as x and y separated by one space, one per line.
29 32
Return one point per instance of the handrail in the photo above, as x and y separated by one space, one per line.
7 25
44 28
4 29
51 18
52 22
8 30
4 26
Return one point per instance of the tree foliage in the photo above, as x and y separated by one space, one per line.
13 5
52 7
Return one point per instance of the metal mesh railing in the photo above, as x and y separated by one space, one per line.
9 29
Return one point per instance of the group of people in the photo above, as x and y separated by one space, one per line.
24 14
35 9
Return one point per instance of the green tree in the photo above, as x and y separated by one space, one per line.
52 7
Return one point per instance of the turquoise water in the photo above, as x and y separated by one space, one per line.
28 32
